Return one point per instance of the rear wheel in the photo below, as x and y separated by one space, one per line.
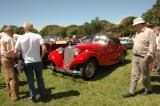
89 69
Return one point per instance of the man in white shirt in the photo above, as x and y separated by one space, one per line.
29 45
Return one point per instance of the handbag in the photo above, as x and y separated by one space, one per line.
19 64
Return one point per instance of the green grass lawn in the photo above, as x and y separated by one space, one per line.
104 90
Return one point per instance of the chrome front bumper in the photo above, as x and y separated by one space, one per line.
72 72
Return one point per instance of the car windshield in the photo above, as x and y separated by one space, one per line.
96 39
100 39
87 40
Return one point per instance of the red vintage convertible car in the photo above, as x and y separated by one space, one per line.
85 58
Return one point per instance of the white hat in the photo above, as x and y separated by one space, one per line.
137 21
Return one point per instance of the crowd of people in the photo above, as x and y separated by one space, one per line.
146 48
28 45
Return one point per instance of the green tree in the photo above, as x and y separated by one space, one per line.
49 30
2 29
125 27
62 32
81 31
18 30
71 30
94 27
153 15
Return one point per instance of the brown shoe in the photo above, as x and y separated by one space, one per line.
14 100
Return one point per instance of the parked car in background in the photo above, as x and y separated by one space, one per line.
127 42
85 58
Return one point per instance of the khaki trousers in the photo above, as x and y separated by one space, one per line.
140 67
158 60
11 78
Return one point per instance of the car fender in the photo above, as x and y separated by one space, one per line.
56 58
83 57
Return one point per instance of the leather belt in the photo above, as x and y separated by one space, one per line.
137 55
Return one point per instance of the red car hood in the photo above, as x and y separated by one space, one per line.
89 46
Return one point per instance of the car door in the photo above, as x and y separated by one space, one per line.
108 53
117 52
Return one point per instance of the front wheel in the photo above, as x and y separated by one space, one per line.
52 66
89 69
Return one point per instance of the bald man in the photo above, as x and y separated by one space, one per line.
7 52
29 45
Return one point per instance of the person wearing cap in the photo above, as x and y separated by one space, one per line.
7 52
29 45
143 52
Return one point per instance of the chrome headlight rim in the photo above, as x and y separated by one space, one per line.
60 50
76 51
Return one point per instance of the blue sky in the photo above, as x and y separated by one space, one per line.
67 12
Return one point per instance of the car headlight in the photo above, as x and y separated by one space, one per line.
76 51
60 50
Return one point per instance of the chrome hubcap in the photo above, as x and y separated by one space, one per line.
90 70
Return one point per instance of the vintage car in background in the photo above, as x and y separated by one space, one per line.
85 58
127 42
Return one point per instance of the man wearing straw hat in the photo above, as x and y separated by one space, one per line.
143 52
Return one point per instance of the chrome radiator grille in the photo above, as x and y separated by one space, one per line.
68 55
